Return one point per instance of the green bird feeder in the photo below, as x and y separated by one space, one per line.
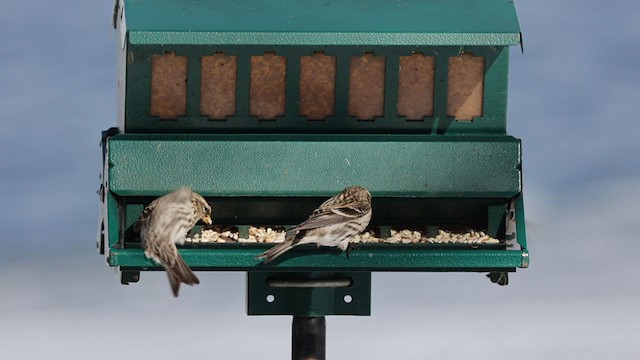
267 108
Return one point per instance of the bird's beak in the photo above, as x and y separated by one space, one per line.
207 219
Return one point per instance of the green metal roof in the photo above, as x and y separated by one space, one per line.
310 22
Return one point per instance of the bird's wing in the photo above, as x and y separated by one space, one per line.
160 249
327 217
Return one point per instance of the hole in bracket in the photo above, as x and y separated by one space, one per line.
270 298
348 299
309 283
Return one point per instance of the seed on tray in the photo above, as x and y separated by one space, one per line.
269 235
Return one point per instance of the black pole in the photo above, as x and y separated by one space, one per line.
308 338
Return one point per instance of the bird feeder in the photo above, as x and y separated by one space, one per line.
267 108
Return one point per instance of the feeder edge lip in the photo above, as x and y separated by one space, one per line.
282 22
322 39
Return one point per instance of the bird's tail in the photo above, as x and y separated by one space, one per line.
275 251
180 273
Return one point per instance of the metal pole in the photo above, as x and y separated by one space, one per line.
308 338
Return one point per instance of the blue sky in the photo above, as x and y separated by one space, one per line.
573 99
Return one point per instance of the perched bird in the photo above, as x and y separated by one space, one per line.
334 223
165 223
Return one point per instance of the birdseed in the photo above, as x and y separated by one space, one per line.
274 235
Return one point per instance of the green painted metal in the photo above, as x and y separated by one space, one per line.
353 22
374 257
113 220
492 121
424 174
131 155
306 165
132 214
308 301
321 38
521 232
496 220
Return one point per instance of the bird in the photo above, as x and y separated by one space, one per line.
165 223
332 224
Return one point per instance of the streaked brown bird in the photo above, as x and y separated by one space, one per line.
333 224
165 223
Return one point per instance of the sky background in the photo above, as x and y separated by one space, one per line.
573 100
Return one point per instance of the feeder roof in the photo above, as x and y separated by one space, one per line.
322 22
